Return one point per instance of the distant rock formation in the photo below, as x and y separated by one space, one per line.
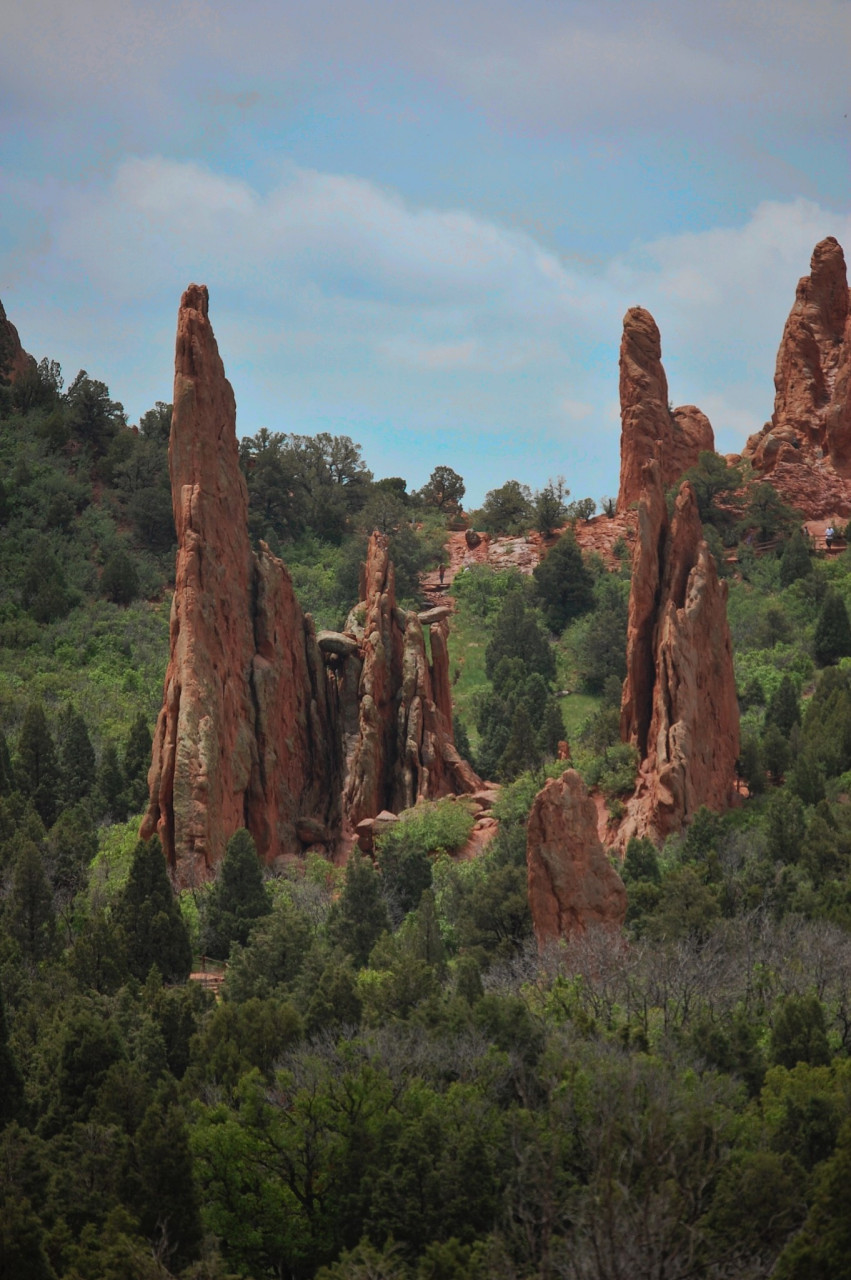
13 359
679 704
649 429
806 447
572 884
396 706
246 735
265 725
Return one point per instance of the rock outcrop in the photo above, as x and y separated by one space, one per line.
396 705
806 447
572 884
13 359
247 733
649 428
679 704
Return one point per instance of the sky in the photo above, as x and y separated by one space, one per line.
421 224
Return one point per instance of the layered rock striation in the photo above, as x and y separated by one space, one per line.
675 438
572 884
679 704
246 735
805 449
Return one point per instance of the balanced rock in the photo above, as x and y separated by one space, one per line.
649 428
679 704
246 735
806 447
572 884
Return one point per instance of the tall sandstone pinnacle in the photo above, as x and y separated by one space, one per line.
679 704
396 705
246 734
806 447
572 884
675 438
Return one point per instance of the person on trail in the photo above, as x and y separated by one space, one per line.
441 570
829 535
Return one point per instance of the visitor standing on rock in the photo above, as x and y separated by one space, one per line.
441 569
829 535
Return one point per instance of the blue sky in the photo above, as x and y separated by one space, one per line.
421 224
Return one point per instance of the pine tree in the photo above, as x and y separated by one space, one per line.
111 784
76 757
7 777
37 771
832 639
30 917
237 900
521 751
137 760
163 1189
119 581
11 1083
517 634
783 708
565 586
150 916
359 916
552 730
795 562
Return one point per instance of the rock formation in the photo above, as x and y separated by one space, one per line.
396 706
246 735
806 447
13 359
649 429
572 884
679 703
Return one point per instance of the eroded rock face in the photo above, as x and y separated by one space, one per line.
396 705
806 447
679 704
649 429
246 735
572 884
13 359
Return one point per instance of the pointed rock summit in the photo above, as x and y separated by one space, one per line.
572 884
245 736
675 438
806 447
679 704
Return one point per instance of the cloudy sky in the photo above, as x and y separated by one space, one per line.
421 223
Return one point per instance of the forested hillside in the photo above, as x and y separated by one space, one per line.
386 1077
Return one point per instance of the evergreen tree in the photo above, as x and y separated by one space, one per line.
44 592
795 562
30 917
564 585
37 771
237 899
119 581
359 917
775 752
111 784
150 916
137 761
552 730
518 634
76 757
799 1033
521 751
7 777
163 1186
11 1082
832 639
641 861
783 708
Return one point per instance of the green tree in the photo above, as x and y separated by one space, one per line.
110 784
832 638
521 751
93 418
641 861
507 509
518 634
552 730
163 1186
550 509
148 912
76 757
444 490
237 900
783 708
137 761
37 771
775 752
601 646
11 1081
795 562
44 591
119 581
799 1033
7 775
359 916
156 423
823 1247
564 585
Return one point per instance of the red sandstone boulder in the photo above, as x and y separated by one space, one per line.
572 884
679 704
13 359
246 734
649 428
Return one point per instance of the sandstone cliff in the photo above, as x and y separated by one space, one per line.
679 703
649 429
13 359
572 884
396 705
806 447
246 735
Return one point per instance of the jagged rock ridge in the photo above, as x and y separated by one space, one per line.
675 438
246 734
679 704
572 884
806 447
